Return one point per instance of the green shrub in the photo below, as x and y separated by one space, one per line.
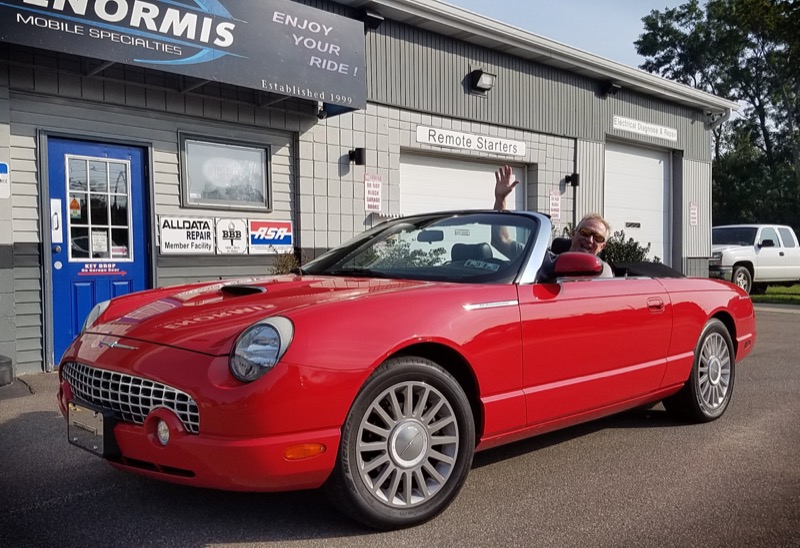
620 250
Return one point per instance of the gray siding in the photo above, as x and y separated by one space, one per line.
590 164
412 68
696 242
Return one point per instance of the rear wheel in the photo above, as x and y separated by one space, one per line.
707 393
743 278
406 446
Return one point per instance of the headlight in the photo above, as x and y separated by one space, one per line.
98 309
259 348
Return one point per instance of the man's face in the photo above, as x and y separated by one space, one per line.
586 237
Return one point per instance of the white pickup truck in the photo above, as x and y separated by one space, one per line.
755 256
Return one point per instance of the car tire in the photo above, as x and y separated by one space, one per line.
742 278
707 393
406 447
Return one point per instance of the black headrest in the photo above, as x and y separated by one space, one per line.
462 252
560 245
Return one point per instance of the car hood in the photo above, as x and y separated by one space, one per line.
208 317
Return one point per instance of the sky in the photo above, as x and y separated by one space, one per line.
607 28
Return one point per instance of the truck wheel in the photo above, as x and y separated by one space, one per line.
758 289
742 278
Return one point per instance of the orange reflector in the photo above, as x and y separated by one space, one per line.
303 451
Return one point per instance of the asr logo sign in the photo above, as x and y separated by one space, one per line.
271 237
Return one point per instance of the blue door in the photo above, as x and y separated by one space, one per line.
99 229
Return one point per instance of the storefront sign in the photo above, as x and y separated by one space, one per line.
372 192
469 141
642 128
5 181
278 46
186 236
231 236
270 237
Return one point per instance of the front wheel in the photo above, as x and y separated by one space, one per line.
406 446
707 393
743 278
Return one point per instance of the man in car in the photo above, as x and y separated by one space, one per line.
589 236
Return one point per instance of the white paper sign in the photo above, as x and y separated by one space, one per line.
555 205
372 192
693 215
231 236
5 180
186 236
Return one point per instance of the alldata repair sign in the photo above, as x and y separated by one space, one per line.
277 46
269 237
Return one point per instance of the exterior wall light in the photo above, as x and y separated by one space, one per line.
609 89
481 81
358 155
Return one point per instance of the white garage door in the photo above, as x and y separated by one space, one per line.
637 186
428 183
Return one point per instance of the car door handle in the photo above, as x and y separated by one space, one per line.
781 253
655 305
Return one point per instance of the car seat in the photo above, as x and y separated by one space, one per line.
560 245
463 252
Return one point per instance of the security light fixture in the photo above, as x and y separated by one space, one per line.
481 81
609 89
359 156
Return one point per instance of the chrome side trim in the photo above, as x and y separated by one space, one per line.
483 306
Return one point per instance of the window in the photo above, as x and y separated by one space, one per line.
769 234
99 219
786 236
225 175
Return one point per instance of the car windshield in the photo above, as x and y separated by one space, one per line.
454 247
734 235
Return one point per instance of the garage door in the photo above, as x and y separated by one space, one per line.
429 183
637 186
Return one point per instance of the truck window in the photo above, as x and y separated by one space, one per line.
787 237
740 235
769 233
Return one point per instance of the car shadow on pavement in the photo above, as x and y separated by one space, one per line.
654 416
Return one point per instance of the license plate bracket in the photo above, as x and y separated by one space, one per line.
91 429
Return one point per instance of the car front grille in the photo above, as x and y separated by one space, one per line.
130 398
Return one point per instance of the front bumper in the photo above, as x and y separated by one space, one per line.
720 272
244 430
231 464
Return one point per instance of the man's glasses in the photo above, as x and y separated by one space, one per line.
586 233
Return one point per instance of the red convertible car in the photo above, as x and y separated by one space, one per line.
378 369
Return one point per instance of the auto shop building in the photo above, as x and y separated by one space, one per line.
145 143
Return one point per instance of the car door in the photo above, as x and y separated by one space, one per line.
771 259
792 253
592 343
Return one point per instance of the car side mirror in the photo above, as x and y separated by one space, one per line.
577 263
766 243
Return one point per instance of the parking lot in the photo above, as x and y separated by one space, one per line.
637 479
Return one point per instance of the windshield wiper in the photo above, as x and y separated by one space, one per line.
358 272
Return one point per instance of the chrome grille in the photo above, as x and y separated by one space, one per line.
130 398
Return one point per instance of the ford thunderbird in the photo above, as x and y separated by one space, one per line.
378 369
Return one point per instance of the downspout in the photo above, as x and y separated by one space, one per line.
719 121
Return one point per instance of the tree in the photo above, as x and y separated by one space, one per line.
748 51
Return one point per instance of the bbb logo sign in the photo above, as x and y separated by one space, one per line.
270 233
